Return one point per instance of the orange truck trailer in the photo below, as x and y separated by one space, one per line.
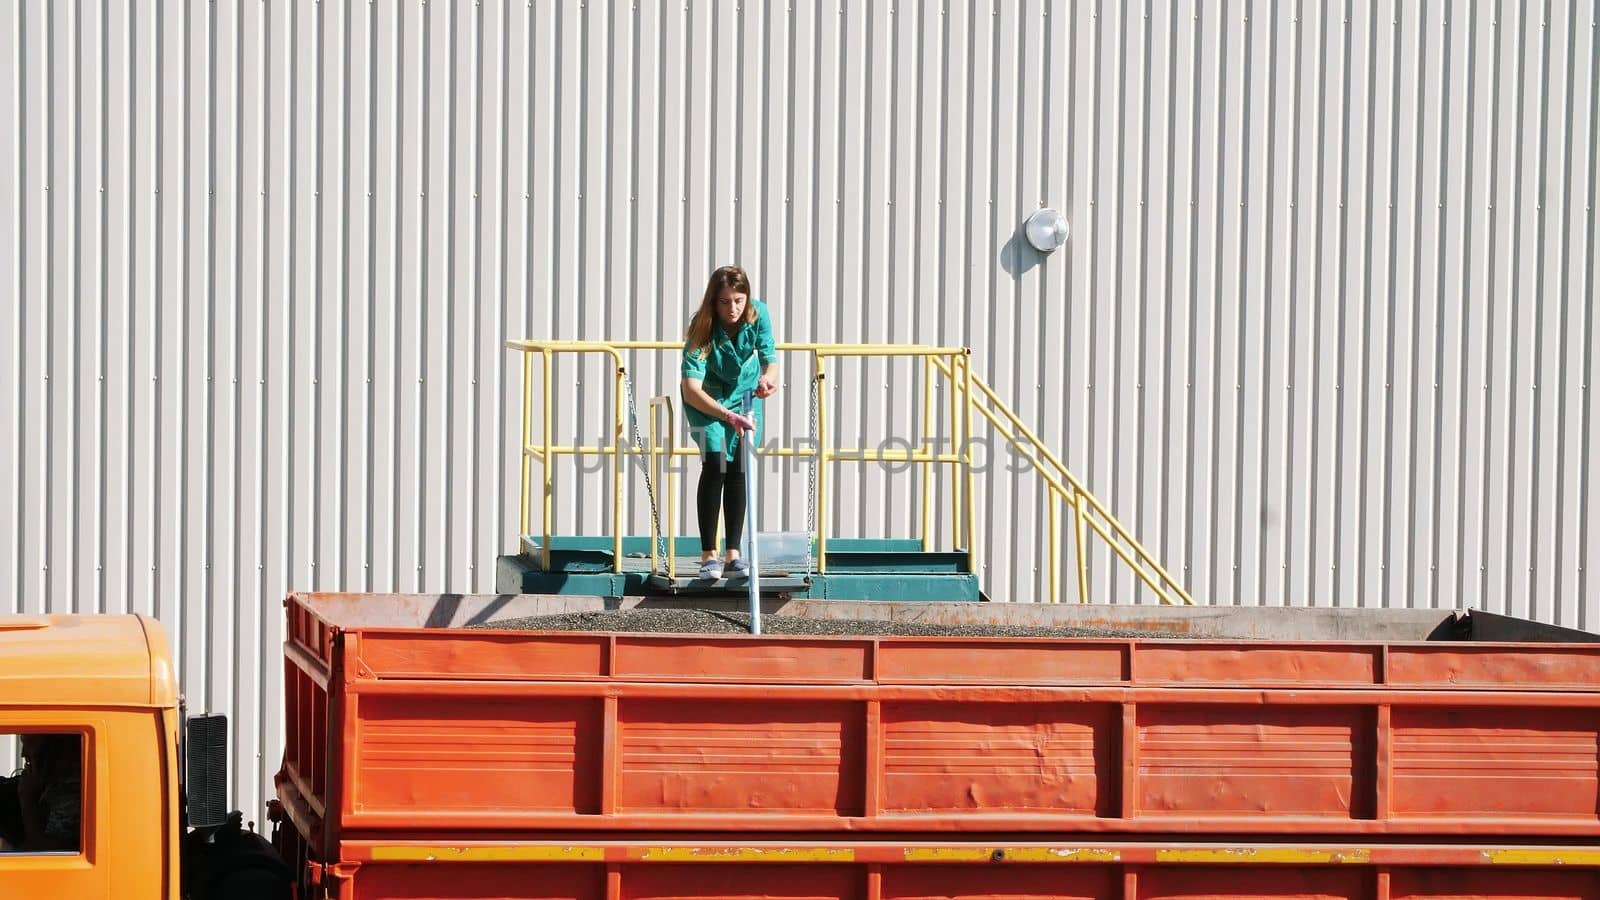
426 759
449 747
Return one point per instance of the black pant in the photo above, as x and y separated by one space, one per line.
721 482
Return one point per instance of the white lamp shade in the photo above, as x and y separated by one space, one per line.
1046 230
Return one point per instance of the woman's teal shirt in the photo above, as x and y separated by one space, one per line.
730 367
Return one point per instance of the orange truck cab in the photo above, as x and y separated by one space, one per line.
101 687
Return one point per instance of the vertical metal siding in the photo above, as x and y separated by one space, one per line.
1324 332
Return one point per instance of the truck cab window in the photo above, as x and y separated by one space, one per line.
41 803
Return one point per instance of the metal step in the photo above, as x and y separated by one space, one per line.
685 584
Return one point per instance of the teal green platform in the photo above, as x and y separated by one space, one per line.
858 569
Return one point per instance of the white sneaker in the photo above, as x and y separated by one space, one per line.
710 570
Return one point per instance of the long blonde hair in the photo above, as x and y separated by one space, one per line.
705 318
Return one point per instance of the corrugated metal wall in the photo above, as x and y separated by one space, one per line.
1324 332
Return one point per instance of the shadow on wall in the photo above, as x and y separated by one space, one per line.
1018 257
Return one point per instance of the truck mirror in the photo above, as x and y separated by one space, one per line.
206 770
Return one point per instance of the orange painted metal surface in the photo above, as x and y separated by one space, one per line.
482 730
108 679
85 660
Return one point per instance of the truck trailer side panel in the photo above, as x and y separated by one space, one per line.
444 762
451 729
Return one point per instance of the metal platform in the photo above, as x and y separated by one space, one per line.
858 569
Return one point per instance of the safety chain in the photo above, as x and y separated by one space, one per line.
649 489
811 483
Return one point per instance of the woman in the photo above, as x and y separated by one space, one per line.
728 352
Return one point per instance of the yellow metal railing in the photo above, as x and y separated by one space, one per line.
1088 511
968 395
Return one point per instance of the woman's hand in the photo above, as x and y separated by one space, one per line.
767 386
738 422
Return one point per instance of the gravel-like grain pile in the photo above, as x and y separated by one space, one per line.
701 621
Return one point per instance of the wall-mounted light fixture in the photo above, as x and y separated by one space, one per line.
1046 230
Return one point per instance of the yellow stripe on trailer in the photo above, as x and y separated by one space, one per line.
446 853
1012 854
1529 857
748 854
1257 855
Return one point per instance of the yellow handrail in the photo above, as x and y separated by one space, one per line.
969 394
615 347
548 350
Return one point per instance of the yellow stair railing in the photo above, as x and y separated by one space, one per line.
969 396
1064 488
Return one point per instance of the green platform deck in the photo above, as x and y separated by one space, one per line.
858 569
